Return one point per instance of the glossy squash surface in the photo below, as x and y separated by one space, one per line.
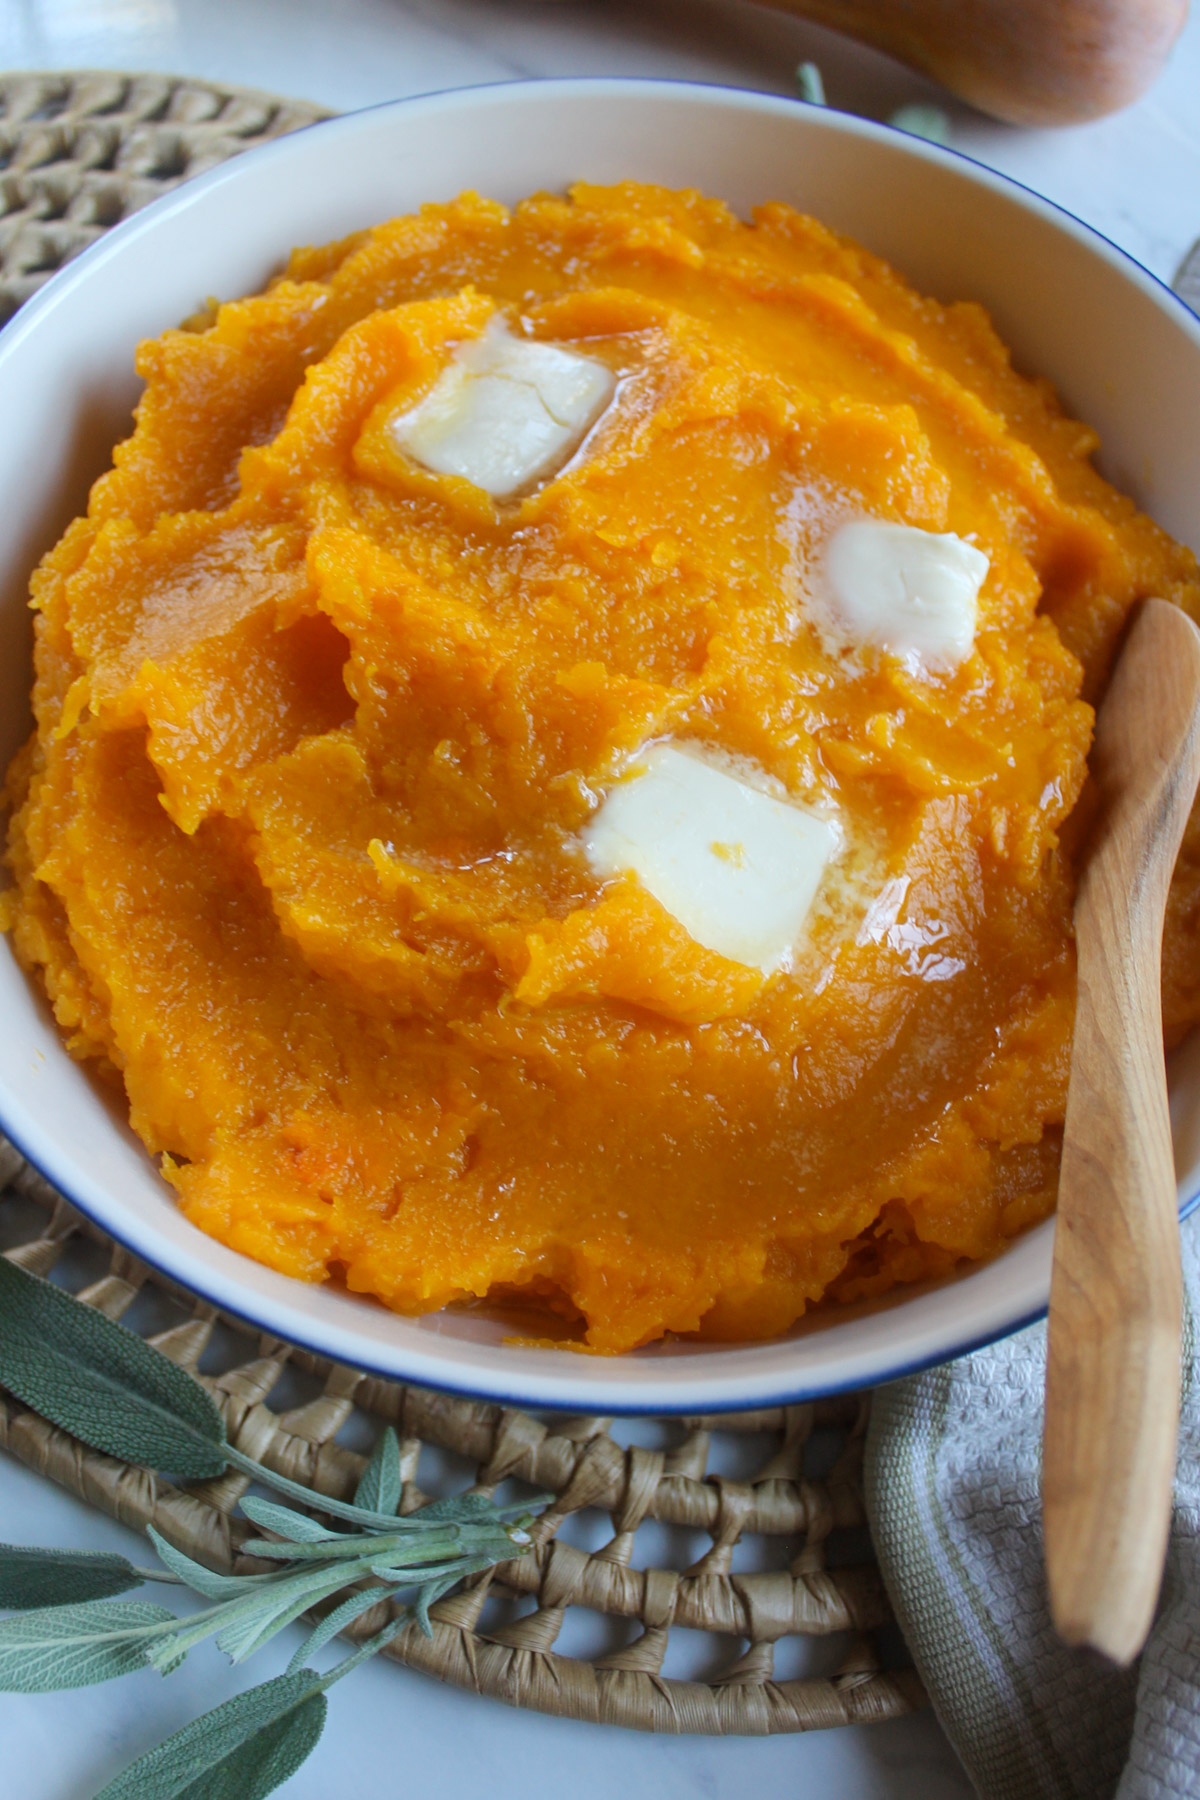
296 840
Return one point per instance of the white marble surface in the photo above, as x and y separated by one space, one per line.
1137 178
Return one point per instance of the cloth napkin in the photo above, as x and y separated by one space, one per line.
952 1476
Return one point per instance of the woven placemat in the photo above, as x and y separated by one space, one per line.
747 1529
82 149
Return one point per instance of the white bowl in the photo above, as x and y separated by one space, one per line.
1124 352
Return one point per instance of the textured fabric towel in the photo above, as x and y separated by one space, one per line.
953 1465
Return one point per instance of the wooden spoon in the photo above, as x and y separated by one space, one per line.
1112 1365
1032 62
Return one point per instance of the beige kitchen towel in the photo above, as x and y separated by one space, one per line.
953 1465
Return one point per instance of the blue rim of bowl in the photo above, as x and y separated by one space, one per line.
751 101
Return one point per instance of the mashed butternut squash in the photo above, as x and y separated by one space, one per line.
298 842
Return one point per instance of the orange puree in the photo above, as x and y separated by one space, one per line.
296 842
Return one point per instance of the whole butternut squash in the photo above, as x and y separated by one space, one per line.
1031 62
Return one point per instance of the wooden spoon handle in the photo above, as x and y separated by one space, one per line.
1112 1376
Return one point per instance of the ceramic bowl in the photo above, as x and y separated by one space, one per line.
1124 352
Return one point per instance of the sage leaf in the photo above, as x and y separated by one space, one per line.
461 1509
380 1486
365 1545
809 84
367 1649
34 1577
242 1750
170 1649
285 1522
100 1382
76 1646
475 1509
271 1550
201 1579
406 1578
431 1584
350 1609
248 1633
426 1597
919 120
340 1509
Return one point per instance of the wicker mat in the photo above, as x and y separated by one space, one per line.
746 1529
82 149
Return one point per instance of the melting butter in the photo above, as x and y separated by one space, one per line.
738 868
506 412
909 591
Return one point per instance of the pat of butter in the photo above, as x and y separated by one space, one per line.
909 591
505 412
737 868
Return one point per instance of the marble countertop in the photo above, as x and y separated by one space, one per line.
1136 177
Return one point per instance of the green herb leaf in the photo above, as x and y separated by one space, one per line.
478 1509
350 1609
407 1577
428 1595
204 1580
465 1509
242 1750
427 1546
76 1646
328 1551
928 122
809 84
246 1634
170 1649
34 1577
335 1548
296 1527
340 1509
366 1650
380 1486
100 1382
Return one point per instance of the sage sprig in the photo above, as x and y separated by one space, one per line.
112 1390
68 1629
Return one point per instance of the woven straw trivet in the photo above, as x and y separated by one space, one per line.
787 1575
82 149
